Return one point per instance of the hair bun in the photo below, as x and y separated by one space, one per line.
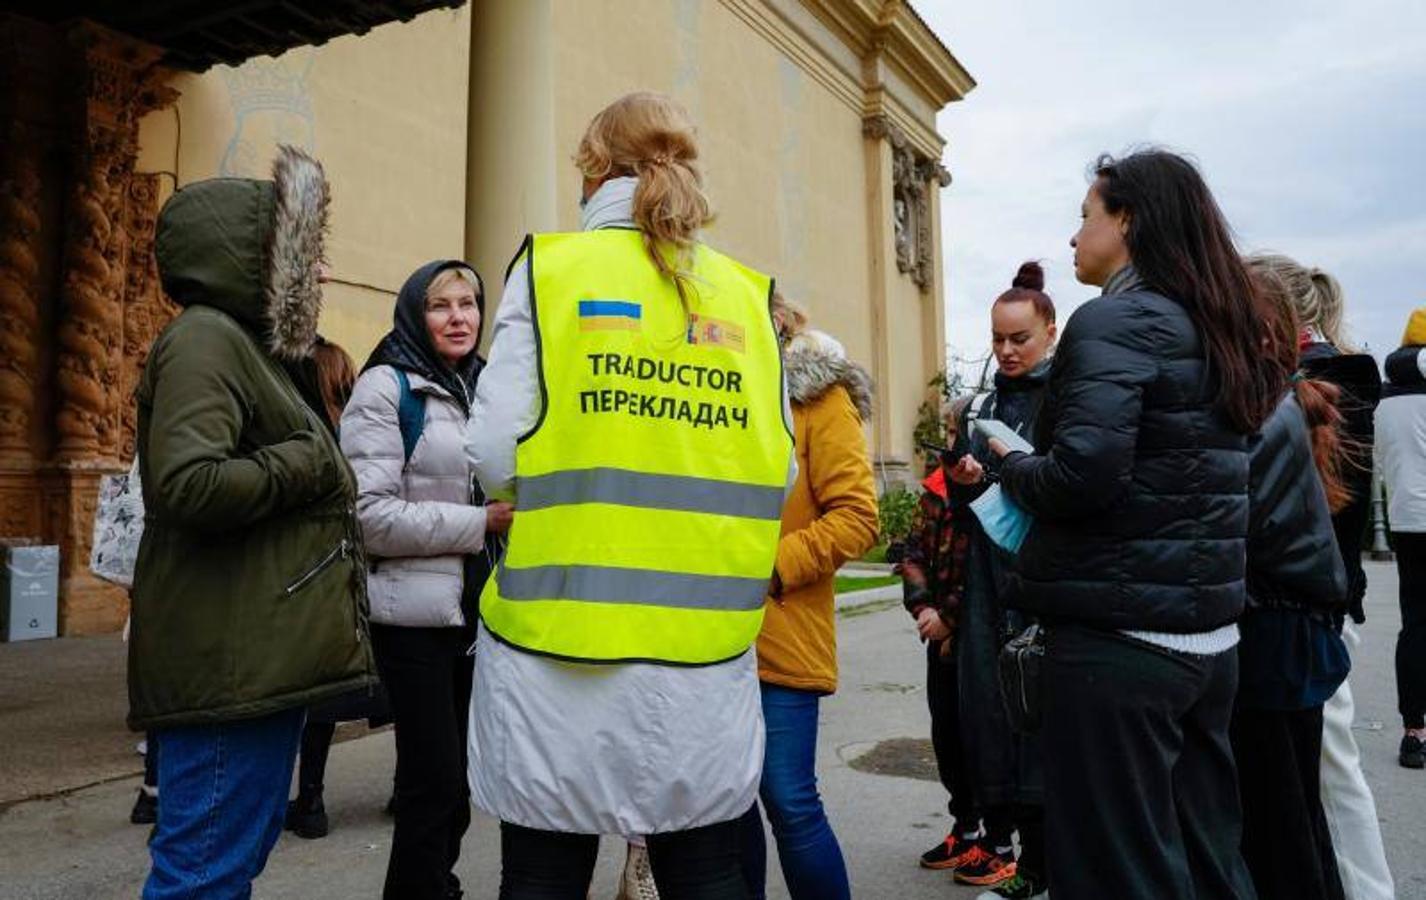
1031 277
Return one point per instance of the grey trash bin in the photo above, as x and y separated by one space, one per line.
29 593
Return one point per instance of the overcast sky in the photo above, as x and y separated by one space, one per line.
1308 119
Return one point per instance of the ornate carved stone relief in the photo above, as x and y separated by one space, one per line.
912 174
19 293
146 309
120 83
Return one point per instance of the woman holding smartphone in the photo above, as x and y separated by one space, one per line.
1003 766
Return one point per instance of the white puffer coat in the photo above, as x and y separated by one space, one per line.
417 517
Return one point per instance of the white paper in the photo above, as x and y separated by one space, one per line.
1008 436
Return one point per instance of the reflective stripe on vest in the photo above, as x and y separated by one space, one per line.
650 491
649 494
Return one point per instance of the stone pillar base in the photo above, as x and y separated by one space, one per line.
87 605
892 473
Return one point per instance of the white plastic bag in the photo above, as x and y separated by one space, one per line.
118 525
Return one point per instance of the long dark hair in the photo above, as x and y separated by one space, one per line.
1181 247
336 373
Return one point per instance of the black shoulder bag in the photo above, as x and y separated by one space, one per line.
1022 662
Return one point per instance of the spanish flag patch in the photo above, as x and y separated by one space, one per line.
704 331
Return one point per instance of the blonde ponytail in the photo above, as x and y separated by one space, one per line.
1331 303
1316 297
650 136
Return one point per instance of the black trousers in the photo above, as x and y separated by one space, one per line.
698 864
943 693
428 678
312 757
1411 642
151 759
1286 841
1001 820
1141 790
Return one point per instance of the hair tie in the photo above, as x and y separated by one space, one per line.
1296 377
662 159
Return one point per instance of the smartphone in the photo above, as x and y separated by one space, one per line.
942 453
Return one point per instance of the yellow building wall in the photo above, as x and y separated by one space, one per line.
780 135
452 135
782 155
385 112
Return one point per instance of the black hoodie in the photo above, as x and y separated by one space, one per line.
1357 376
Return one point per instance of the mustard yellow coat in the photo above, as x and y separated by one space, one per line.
830 516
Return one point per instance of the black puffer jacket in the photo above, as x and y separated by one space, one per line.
1139 488
1293 561
1289 653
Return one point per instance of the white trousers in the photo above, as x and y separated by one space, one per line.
1347 800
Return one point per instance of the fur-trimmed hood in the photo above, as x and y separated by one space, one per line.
815 366
251 249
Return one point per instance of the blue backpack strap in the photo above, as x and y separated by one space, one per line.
410 413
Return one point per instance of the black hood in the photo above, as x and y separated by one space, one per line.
408 344
1355 373
1403 368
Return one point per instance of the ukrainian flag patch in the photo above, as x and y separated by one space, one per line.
610 315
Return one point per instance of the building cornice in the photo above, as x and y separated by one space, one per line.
894 31
887 54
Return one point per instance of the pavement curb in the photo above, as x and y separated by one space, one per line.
855 599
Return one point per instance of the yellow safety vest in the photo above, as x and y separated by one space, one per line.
649 493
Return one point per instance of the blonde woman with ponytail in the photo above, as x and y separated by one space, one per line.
1318 304
633 410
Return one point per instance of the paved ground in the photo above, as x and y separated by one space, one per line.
60 703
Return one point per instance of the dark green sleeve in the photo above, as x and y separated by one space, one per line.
194 472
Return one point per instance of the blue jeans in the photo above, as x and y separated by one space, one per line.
811 859
223 797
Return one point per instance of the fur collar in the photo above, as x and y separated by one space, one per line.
291 293
812 371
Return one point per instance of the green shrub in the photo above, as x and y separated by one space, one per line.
898 510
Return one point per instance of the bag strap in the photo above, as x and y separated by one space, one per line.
410 413
976 409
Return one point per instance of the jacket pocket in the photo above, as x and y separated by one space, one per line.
337 553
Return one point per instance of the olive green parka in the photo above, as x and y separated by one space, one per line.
249 589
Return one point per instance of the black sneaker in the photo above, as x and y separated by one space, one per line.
950 853
145 811
307 817
1413 754
1016 887
986 868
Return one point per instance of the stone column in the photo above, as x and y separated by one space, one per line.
902 182
19 294
106 269
117 81
28 233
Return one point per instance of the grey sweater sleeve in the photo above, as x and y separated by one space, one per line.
507 398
